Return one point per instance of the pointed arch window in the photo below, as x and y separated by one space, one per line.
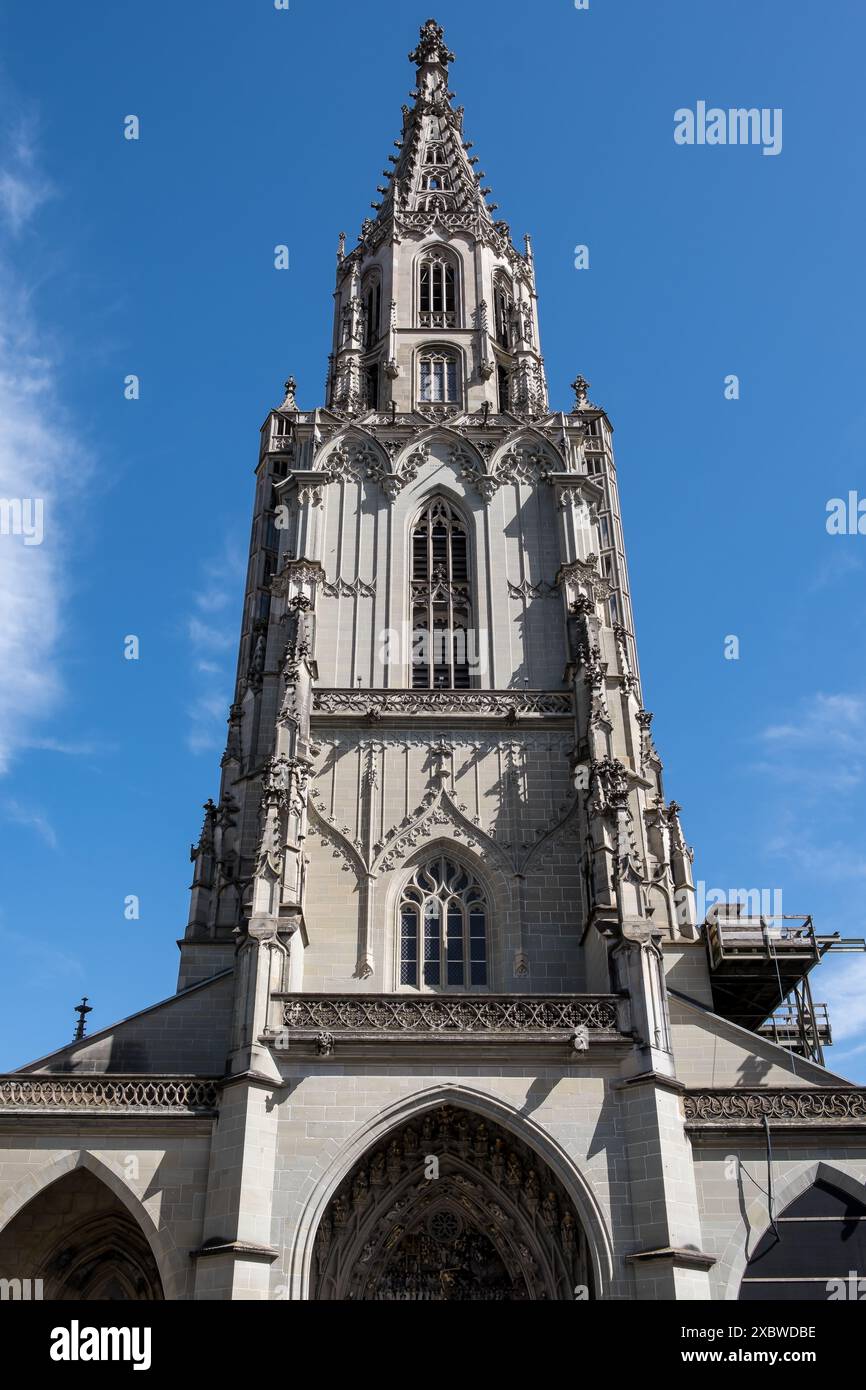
441 600
503 386
438 376
437 287
443 928
372 297
503 303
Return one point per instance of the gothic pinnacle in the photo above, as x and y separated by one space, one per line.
431 46
291 387
580 387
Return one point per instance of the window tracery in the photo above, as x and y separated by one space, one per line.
437 279
440 600
443 928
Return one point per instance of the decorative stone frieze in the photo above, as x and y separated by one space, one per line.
479 703
443 1015
98 1093
794 1107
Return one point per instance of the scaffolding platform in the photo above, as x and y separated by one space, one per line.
795 1028
759 972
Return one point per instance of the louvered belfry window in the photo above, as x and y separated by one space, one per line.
441 600
443 928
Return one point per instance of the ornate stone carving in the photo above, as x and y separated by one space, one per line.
483 703
609 779
431 46
119 1093
357 589
392 479
796 1106
496 1224
648 753
441 1014
580 387
520 463
585 573
295 573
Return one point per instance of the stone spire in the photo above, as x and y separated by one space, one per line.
433 170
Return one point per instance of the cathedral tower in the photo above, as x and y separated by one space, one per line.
446 1026
438 642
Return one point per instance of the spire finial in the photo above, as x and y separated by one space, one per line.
580 387
432 47
290 403
82 1009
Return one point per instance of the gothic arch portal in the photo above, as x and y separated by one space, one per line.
814 1249
82 1243
450 1206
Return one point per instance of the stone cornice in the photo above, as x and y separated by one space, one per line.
574 1023
472 704
741 1108
683 1256
243 1249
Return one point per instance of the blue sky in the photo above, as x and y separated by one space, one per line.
155 257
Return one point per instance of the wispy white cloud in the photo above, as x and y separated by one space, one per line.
41 461
834 719
839 564
76 748
819 746
23 187
31 819
212 640
842 983
206 637
829 861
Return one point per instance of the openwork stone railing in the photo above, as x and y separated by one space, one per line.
121 1094
422 702
706 1109
489 1014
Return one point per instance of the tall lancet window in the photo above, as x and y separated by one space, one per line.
441 600
372 309
443 928
438 377
503 303
437 290
503 387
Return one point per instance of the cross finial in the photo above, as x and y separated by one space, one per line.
82 1009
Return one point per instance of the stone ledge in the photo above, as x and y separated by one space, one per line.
573 1022
684 1256
364 1024
115 1095
246 1249
789 1108
404 705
